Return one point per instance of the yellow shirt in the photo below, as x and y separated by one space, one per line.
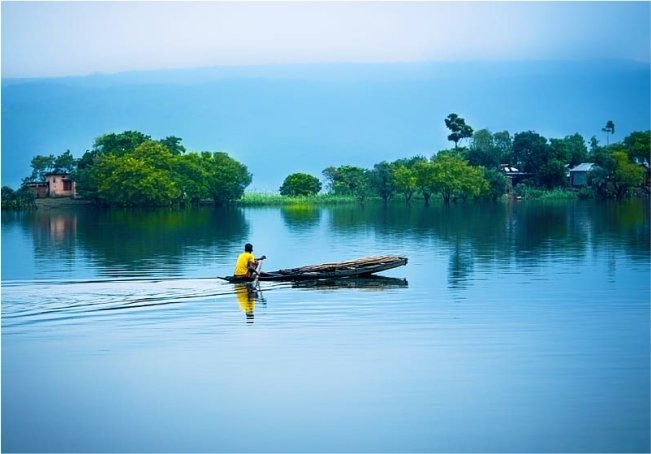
242 265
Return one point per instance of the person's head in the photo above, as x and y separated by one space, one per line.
248 247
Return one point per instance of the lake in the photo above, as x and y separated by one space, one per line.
514 327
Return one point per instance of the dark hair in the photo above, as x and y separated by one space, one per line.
248 247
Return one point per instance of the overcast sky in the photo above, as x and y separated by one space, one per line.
75 38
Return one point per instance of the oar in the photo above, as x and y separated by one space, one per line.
258 268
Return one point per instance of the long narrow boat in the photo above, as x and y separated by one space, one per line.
364 266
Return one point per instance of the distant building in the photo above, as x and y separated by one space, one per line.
513 175
579 174
55 185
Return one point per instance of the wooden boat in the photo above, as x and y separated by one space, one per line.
364 266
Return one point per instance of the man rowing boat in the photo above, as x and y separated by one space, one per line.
247 265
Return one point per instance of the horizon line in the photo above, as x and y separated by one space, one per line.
317 64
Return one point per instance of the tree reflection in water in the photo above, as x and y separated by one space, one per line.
121 242
527 234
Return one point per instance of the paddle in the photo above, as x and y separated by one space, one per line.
258 268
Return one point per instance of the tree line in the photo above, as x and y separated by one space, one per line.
132 169
474 171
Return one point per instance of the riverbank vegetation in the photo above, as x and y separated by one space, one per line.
271 199
22 199
132 169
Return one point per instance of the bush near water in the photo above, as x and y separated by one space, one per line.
132 169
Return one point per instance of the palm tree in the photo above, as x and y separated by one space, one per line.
609 129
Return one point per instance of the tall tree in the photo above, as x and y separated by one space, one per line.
577 149
459 129
504 145
530 152
609 129
487 149
382 180
406 180
452 176
348 180
426 179
638 146
65 162
41 165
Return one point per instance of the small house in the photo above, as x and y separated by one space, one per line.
579 174
55 185
60 185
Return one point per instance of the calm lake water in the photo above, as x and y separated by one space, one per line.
514 328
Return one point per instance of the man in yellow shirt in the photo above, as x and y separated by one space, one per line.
247 265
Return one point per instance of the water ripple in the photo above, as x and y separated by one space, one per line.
28 302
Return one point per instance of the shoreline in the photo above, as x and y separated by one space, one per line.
61 202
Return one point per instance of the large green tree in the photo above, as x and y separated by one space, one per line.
190 172
227 178
570 150
132 170
41 164
495 184
65 162
383 181
638 146
133 181
426 179
453 177
116 144
349 180
627 174
616 173
300 184
140 177
530 152
406 181
488 150
504 146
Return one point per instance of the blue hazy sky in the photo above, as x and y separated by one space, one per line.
42 39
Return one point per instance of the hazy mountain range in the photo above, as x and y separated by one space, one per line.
288 118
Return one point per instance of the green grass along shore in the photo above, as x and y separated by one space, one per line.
271 199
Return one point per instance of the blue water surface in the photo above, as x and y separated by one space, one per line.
513 328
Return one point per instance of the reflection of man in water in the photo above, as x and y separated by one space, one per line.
246 296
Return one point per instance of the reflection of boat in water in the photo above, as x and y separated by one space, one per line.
361 267
366 283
